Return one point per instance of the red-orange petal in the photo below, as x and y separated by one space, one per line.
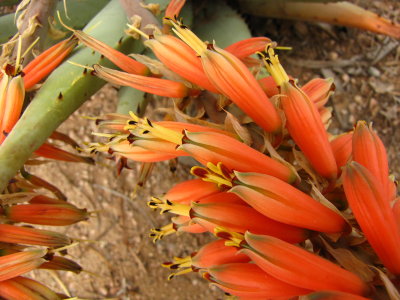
307 130
367 200
282 202
299 267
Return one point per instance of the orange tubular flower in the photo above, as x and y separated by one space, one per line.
11 101
47 61
52 152
334 295
249 280
241 218
212 254
61 263
46 214
342 149
191 191
247 47
282 202
121 60
30 236
369 151
15 264
156 86
213 147
18 288
181 59
303 120
307 130
366 197
319 90
232 78
300 267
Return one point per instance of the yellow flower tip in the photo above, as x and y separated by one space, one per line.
168 206
159 233
233 239
273 66
186 35
218 174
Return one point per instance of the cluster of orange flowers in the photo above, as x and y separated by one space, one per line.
317 215
29 199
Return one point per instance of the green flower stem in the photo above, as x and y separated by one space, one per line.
66 89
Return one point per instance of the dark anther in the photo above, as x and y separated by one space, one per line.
210 47
157 229
110 151
174 266
130 138
152 203
146 131
5 133
102 56
60 96
120 41
84 71
169 202
92 151
98 121
166 211
183 26
132 122
151 36
148 122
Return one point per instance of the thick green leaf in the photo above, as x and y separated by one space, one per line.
63 92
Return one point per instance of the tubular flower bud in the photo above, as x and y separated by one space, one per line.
249 280
61 263
334 295
15 264
318 90
47 61
156 86
240 218
299 267
212 254
30 236
342 149
185 224
11 102
52 152
191 191
213 147
232 78
46 214
181 59
369 151
282 202
366 197
121 60
303 120
307 130
18 288
247 47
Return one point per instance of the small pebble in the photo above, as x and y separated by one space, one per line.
374 71
358 99
333 55
345 78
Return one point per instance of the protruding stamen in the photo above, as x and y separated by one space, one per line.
233 238
273 65
159 233
188 37
217 174
167 206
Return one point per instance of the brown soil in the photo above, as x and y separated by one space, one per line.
120 259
